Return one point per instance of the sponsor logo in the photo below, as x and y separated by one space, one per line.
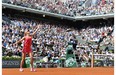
10 63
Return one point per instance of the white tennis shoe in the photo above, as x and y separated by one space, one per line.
33 70
21 70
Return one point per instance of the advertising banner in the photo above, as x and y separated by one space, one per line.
10 63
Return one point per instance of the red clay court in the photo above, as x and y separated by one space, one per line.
60 71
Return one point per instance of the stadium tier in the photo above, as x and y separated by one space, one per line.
68 7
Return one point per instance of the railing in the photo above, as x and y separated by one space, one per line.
6 5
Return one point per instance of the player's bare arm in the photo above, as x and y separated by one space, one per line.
36 30
19 41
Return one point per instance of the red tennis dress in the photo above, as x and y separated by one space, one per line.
27 45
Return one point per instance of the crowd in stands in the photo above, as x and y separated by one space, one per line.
52 39
69 7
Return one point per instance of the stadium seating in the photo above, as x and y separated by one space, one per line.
69 7
52 40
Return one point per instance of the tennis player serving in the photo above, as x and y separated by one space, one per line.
27 48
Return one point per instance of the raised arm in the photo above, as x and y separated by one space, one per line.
36 30
19 41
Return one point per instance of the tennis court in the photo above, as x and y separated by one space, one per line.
60 71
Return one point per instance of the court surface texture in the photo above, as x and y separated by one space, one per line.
60 71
